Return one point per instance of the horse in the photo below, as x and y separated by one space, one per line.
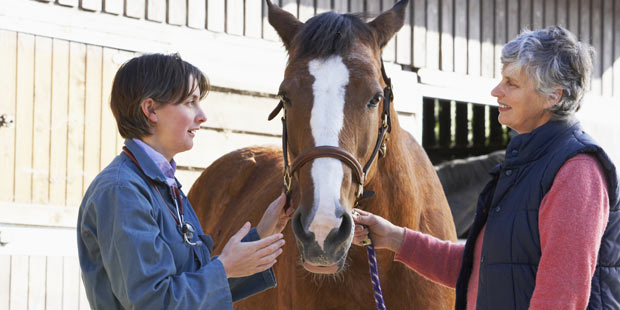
335 96
462 181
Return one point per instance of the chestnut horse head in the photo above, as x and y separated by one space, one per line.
334 96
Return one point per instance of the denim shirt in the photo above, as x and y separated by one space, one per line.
132 253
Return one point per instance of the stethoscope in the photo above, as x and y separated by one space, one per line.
186 228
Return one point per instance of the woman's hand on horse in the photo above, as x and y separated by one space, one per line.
383 233
275 218
242 259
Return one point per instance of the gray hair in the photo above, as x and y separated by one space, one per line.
554 59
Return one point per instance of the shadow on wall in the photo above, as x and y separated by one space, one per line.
462 181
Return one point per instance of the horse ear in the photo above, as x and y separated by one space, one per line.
284 22
389 22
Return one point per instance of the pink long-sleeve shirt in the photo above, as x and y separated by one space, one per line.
572 218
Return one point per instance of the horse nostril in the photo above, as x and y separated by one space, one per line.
299 229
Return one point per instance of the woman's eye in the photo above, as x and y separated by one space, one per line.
374 102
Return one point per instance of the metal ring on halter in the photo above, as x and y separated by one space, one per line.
287 178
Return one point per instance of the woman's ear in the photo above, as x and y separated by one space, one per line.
148 108
554 98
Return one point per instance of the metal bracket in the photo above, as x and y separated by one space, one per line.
6 121
3 240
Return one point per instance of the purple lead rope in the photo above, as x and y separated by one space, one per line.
374 275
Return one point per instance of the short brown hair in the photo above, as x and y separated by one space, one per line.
163 78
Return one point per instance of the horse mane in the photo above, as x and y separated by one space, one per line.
331 33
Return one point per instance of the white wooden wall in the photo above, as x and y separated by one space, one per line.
58 57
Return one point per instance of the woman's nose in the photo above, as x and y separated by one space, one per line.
496 91
201 117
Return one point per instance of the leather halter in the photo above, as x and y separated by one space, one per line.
359 172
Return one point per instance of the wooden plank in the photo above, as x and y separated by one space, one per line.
461 120
8 63
91 5
177 10
187 177
526 15
500 36
389 51
59 120
488 47
513 20
70 283
432 34
209 145
403 41
341 6
223 110
373 9
460 36
134 8
42 119
53 284
549 17
113 6
197 14
445 130
473 43
356 6
216 16
584 22
70 3
18 296
289 6
561 7
537 14
5 280
253 19
92 115
607 51
479 125
447 36
573 17
75 143
616 75
108 123
156 10
419 33
323 6
23 117
306 9
36 282
597 43
429 138
234 17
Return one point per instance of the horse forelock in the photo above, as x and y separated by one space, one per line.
330 34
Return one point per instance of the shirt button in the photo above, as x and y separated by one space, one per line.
482 259
508 173
498 208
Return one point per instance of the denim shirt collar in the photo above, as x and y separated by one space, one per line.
154 164
530 146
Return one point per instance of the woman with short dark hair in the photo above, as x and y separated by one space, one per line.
139 241
547 226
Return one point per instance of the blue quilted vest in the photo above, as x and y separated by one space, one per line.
509 206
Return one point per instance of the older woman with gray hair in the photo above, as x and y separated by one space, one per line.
546 233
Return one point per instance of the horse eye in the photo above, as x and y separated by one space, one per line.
374 102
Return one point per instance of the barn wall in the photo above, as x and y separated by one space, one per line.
58 58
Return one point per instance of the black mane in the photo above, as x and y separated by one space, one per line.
331 34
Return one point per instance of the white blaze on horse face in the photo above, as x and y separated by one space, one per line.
331 78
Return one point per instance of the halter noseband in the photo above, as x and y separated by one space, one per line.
359 172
